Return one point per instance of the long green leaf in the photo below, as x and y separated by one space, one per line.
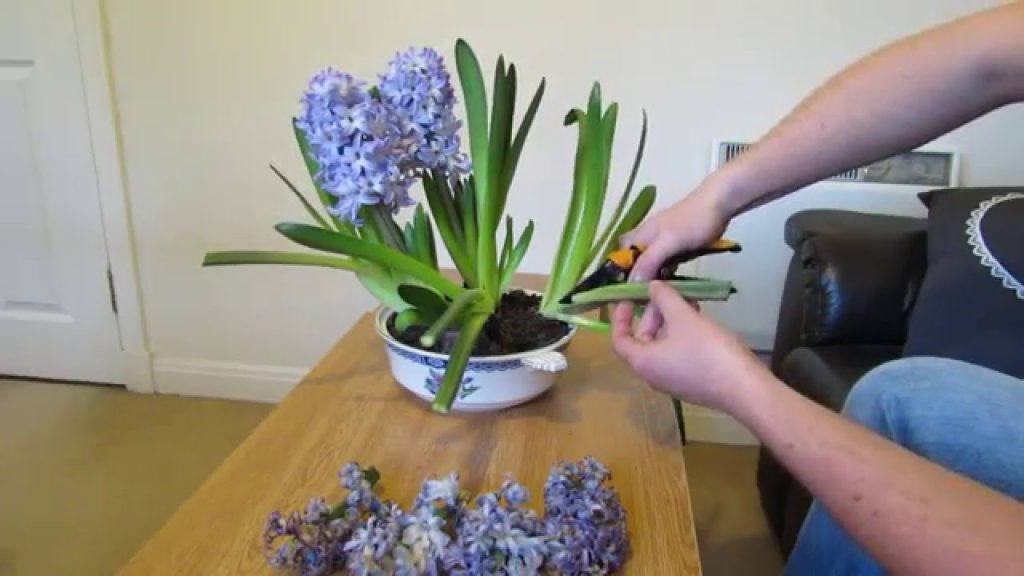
602 240
474 94
501 124
475 97
382 285
585 207
506 247
638 210
425 236
516 257
305 203
467 213
451 383
328 241
516 150
240 257
343 226
378 217
561 266
442 207
465 302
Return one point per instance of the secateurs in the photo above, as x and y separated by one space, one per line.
618 265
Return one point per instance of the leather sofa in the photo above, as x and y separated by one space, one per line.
849 291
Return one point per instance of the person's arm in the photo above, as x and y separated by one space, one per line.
902 96
913 516
892 101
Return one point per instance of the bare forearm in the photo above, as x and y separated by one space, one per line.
912 515
901 97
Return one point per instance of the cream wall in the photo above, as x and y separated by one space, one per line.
205 88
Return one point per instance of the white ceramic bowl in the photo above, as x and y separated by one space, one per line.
490 382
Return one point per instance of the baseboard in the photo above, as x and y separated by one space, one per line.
706 425
138 372
233 381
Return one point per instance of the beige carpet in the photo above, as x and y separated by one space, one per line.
87 473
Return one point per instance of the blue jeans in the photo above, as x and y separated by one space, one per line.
964 417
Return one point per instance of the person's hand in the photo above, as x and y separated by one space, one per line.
686 354
692 223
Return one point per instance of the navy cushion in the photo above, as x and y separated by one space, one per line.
971 303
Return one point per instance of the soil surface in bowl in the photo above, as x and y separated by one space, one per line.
516 327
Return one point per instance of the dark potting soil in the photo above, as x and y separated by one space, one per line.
516 327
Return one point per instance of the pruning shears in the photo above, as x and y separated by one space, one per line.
619 264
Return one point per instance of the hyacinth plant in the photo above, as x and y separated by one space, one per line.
365 147
582 531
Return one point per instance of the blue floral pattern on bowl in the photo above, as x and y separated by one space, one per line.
433 384
442 363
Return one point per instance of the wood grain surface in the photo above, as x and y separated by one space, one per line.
349 408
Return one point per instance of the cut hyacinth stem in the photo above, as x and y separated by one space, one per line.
465 301
697 289
320 239
451 382
580 320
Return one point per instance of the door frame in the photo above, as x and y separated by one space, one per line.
97 82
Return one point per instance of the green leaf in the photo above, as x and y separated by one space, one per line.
424 236
305 203
442 206
516 257
475 97
328 241
474 301
457 361
424 299
233 258
638 210
474 94
506 248
379 218
467 214
586 204
501 128
343 226
382 285
516 150
602 240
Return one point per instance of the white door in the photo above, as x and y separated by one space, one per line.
56 310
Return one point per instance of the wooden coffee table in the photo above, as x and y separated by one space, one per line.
349 408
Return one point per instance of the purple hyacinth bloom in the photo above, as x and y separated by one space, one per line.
356 142
371 145
494 539
585 520
418 89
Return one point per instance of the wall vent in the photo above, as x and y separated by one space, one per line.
915 168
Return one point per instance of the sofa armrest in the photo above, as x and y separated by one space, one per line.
853 279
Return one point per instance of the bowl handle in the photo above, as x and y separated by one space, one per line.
547 362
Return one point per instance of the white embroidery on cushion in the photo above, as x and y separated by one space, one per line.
977 240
